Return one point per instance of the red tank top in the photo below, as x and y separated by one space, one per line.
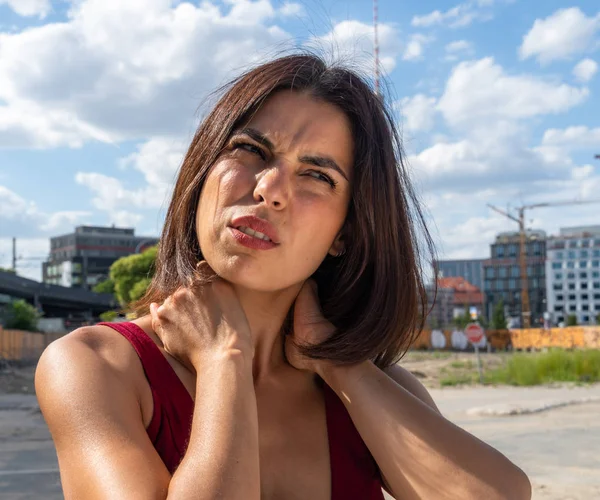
354 473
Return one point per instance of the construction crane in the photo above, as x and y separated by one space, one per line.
520 219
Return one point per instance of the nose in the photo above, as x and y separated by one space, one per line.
272 188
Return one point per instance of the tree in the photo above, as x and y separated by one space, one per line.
131 275
463 320
572 320
498 321
20 315
106 286
6 270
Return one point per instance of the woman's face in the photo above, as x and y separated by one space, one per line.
285 174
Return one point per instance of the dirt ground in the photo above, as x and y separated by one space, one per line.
17 380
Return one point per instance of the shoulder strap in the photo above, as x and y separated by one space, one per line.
159 372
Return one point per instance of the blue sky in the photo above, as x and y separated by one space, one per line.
497 99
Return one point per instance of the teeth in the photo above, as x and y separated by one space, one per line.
255 234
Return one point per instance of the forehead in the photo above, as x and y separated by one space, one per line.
296 120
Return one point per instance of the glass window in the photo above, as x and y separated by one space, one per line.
571 254
572 308
512 250
557 265
559 255
572 244
583 276
558 276
514 272
583 254
489 272
499 251
584 286
487 285
571 265
560 298
571 286
583 264
585 307
558 308
597 296
596 263
502 272
557 286
596 274
571 276
596 285
512 284
596 253
572 297
585 243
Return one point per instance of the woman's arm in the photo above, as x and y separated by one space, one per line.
92 408
419 452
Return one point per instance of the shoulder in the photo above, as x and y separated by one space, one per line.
411 383
82 370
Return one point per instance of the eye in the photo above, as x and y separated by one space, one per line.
321 177
251 148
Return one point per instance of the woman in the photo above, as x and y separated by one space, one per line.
287 284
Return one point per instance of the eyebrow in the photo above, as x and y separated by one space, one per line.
318 161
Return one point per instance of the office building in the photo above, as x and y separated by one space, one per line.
471 270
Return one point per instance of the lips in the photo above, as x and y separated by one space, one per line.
256 224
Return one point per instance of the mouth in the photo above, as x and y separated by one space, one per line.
254 234
255 227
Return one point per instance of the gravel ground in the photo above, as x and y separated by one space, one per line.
557 448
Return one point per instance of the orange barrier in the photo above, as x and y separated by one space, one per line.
581 337
17 345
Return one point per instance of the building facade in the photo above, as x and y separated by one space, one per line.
440 306
82 259
470 270
502 276
455 297
573 274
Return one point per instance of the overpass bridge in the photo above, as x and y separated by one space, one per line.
54 300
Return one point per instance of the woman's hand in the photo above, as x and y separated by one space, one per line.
202 321
310 328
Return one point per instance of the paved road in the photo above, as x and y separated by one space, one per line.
557 448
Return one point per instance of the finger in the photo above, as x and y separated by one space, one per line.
154 316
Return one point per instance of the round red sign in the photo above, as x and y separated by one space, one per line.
474 333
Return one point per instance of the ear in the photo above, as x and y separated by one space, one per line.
338 248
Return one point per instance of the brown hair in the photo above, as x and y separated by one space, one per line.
374 294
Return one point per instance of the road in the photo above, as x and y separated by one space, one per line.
557 448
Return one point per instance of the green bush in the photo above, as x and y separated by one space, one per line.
20 315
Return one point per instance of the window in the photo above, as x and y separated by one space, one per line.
559 255
597 296
572 244
572 308
558 276
558 308
582 264
557 286
500 251
502 272
560 298
584 296
596 253
571 286
583 254
514 272
596 263
487 285
489 272
571 265
596 285
571 276
512 250
584 285
557 265
583 276
586 318
572 297
499 284
512 284
571 254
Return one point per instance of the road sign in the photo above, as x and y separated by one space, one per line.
474 333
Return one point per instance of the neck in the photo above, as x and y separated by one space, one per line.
266 313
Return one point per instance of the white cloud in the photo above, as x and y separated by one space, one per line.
458 46
39 8
572 137
585 70
418 111
99 76
291 9
415 47
457 17
480 92
352 42
567 32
